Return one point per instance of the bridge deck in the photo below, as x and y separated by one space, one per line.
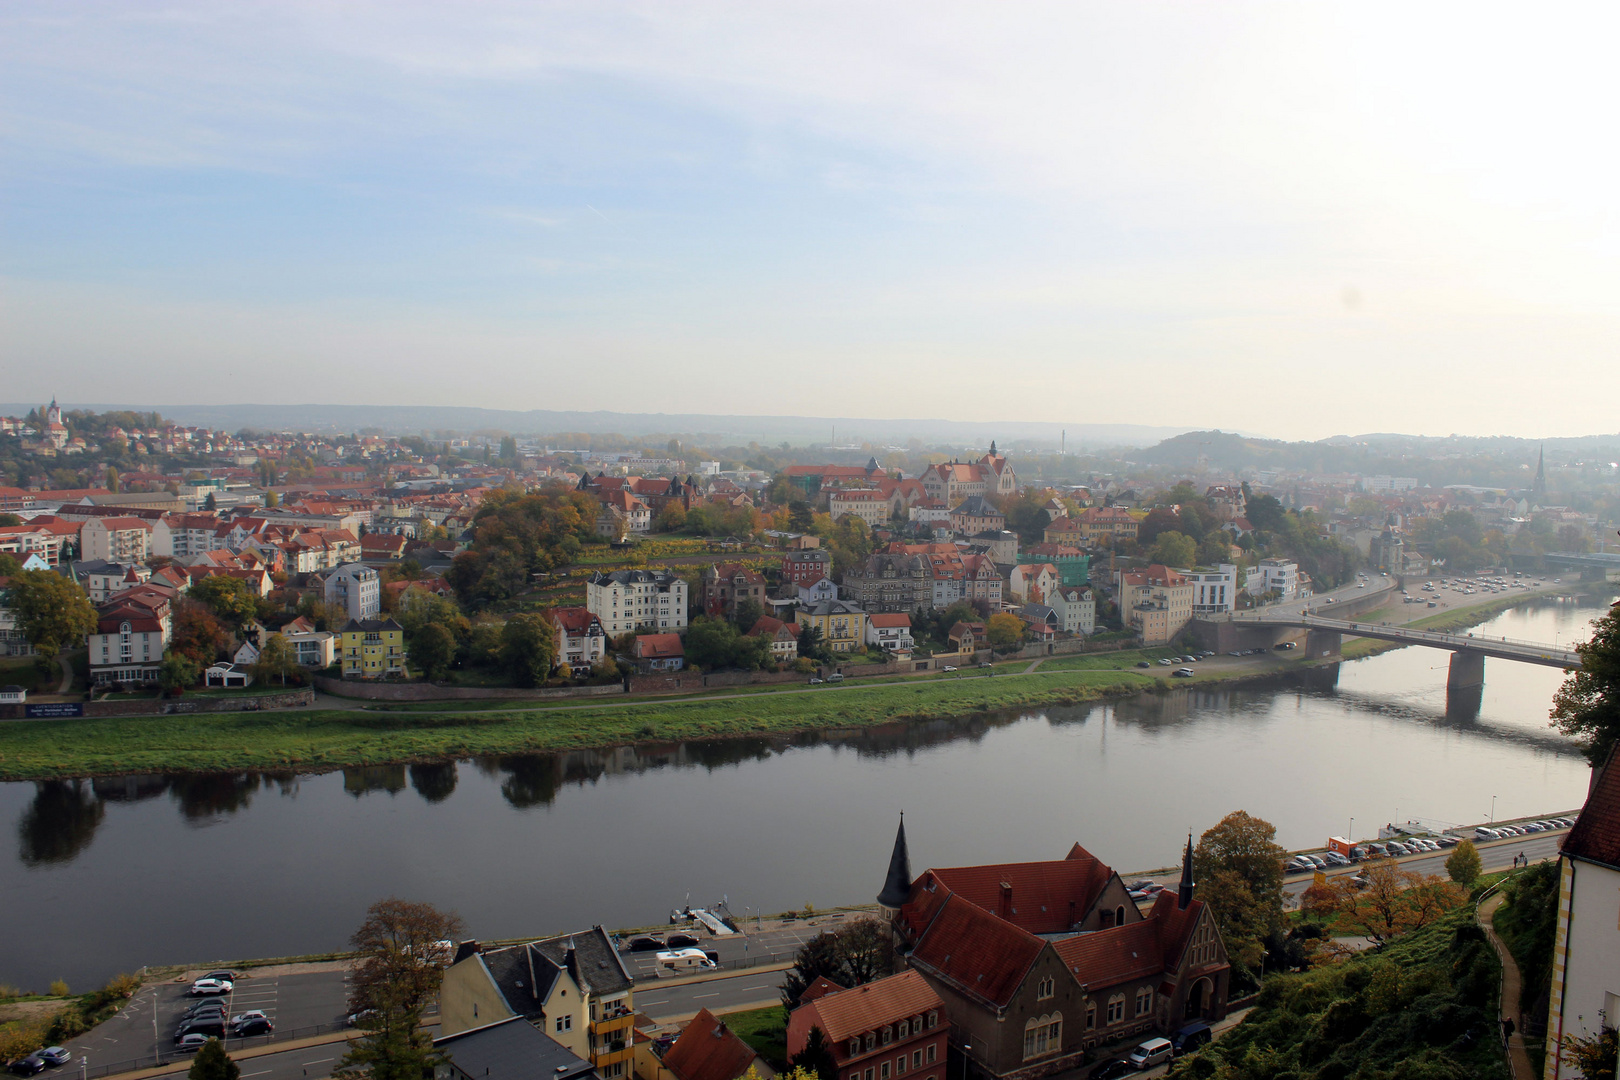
1529 652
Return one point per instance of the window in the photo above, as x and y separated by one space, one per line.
1091 1015
1144 1000
929 1056
871 1039
904 1028
1046 988
933 1018
900 1065
565 1023
1116 1008
916 1059
1119 915
1043 1035
888 1035
883 1071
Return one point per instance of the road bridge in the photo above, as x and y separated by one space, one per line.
1468 651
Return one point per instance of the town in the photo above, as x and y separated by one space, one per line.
203 561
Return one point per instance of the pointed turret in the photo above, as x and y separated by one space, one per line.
1538 491
897 886
1184 895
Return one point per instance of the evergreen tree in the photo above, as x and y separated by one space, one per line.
213 1063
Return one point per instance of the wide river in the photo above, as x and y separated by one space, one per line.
107 876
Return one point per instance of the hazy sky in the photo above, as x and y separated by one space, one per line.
1297 219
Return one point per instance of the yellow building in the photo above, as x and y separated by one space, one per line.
574 988
842 624
373 649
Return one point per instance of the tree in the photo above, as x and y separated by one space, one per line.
1464 865
852 955
275 661
110 480
197 634
1238 867
177 672
817 1057
1004 629
52 612
1214 548
528 648
432 650
672 518
747 613
213 1063
398 973
1594 1056
1174 549
1587 706
231 598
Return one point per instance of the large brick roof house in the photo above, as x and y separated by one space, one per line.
1038 962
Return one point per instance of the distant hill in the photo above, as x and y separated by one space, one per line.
420 419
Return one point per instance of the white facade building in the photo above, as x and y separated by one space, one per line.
356 590
1586 945
1274 574
628 600
1214 591
1076 610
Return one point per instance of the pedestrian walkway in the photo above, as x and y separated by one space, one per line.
1518 1057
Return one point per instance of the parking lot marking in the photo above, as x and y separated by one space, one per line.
715 994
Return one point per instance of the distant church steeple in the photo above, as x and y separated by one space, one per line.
1538 490
1184 895
53 413
897 886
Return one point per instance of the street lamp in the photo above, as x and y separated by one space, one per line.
1493 810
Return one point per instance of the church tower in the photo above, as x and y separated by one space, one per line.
53 413
897 886
1184 895
1538 490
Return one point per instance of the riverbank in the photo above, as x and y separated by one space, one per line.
323 740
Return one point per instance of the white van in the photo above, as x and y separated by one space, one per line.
682 961
1151 1053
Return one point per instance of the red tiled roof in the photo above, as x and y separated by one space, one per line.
1596 835
1041 897
872 1005
769 626
659 646
573 620
884 620
984 957
1116 955
708 1050
818 989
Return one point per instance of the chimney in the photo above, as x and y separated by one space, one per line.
1006 900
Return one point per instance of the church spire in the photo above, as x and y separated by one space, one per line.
897 886
1185 895
1538 490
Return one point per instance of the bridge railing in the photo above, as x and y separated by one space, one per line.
1412 633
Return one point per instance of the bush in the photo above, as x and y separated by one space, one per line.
58 989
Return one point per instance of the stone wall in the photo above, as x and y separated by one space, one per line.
196 703
390 691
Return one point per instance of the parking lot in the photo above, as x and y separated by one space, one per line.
774 942
303 1001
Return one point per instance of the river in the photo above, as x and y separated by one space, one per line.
109 875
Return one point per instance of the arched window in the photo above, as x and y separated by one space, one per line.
904 1029
1043 1035
1116 1008
1144 1000
1119 915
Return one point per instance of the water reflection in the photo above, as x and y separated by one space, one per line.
60 822
434 782
203 797
368 778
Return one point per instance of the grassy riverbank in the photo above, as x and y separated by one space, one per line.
328 739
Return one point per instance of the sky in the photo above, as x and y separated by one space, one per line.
1293 219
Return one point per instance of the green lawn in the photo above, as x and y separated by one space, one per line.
765 1030
25 672
327 739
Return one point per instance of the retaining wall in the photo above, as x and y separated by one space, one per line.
281 699
382 691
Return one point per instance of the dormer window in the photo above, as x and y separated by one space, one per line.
854 1046
903 1029
871 1040
888 1035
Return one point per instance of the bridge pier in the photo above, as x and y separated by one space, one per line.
1322 643
1467 670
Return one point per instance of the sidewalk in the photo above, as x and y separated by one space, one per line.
1518 1059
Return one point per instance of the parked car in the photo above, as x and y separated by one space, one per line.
1299 864
644 943
202 1025
1374 850
948 667
681 941
1335 859
1164 661
1448 841
55 1055
29 1065
816 682
683 960
1150 1053
258 1026
1485 833
190 1044
251 1014
1190 1037
1113 1070
1183 673
210 986
986 664
1316 860
1143 663
222 974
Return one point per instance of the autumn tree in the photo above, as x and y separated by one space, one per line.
1396 901
397 974
1587 706
52 612
1239 870
432 650
231 598
1464 864
850 956
1004 629
1594 1056
276 660
197 633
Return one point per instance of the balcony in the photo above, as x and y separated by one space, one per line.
615 1019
